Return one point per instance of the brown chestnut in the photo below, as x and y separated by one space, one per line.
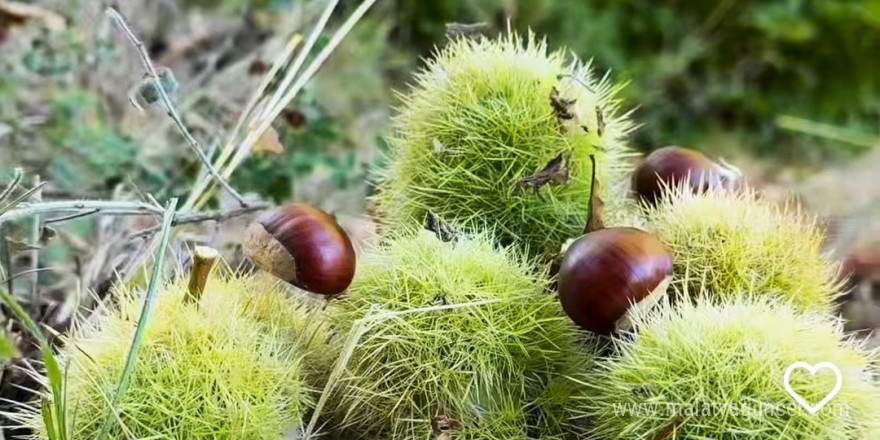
672 165
607 272
304 246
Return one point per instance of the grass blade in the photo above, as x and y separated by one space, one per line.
54 414
7 348
149 300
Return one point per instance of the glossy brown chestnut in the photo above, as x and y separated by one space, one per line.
672 165
304 246
606 272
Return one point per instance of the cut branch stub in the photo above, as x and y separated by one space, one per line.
204 258
594 218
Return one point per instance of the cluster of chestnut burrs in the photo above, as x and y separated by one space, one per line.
603 274
607 271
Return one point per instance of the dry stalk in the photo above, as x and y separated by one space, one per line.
172 110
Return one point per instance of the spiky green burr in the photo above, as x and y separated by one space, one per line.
497 133
737 244
716 371
471 336
228 367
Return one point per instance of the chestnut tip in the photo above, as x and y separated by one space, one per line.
606 274
304 246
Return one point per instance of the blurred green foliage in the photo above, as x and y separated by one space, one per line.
310 137
8 350
91 152
700 69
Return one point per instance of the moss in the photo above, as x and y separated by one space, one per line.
479 120
471 333
738 244
227 369
698 361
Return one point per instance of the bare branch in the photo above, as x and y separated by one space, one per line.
36 233
172 110
24 196
98 206
204 217
12 185
71 216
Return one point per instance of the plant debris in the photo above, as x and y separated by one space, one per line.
467 30
561 106
443 427
556 171
444 231
594 218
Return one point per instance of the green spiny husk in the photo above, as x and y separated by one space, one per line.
735 244
480 121
485 362
697 361
228 368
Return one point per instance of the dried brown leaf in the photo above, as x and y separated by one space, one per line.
561 106
443 230
443 426
269 143
19 13
556 171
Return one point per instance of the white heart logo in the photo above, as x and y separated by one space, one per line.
813 409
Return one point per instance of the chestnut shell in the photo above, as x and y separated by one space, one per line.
323 252
673 165
605 271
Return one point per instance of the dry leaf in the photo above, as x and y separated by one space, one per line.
443 427
556 171
600 121
19 13
444 231
467 30
269 143
561 106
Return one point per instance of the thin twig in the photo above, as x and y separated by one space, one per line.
172 110
255 98
36 233
7 259
27 272
99 206
261 121
24 196
269 114
17 174
204 217
70 217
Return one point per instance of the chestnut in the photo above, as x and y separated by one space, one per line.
304 246
606 272
672 165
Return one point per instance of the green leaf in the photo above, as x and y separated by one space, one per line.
8 350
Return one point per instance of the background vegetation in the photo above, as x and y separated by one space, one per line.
787 89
